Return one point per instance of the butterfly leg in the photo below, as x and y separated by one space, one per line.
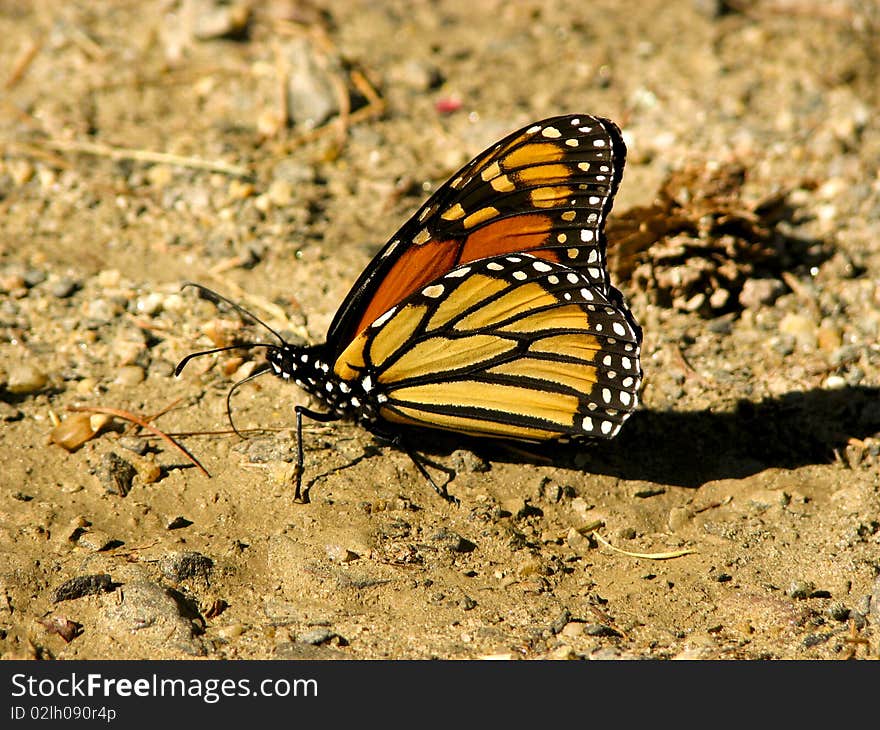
396 440
418 460
299 495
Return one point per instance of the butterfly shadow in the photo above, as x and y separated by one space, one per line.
691 448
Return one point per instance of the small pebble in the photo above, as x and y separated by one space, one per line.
280 193
415 75
562 653
160 176
801 327
177 523
239 190
151 304
220 20
82 585
25 378
800 589
838 611
757 293
137 445
96 540
63 287
129 375
148 471
451 541
178 566
230 631
116 474
317 636
34 277
21 171
339 554
834 382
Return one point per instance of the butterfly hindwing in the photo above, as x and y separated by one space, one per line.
546 189
510 346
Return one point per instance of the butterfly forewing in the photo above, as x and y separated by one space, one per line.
546 189
510 347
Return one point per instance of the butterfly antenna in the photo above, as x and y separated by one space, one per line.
246 346
232 390
215 297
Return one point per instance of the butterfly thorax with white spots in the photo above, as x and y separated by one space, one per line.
307 367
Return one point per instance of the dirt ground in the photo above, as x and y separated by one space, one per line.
268 151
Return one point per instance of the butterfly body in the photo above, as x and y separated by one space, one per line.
490 313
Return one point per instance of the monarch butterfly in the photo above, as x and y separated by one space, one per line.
490 312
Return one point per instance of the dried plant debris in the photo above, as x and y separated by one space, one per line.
696 247
65 628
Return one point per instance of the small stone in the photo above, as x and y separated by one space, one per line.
451 541
21 171
311 92
280 192
220 20
148 471
34 277
47 178
9 412
829 338
63 287
82 585
801 327
576 541
151 304
239 190
599 630
76 527
25 379
97 541
178 522
138 445
263 203
179 566
800 589
834 382
148 612
339 554
560 621
317 636
719 298
415 75
129 376
572 629
102 311
116 474
562 653
838 611
160 176
230 631
757 293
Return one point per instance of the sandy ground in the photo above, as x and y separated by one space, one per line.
757 446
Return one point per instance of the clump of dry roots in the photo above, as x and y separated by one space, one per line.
695 247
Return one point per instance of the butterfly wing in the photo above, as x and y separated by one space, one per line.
546 189
510 347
